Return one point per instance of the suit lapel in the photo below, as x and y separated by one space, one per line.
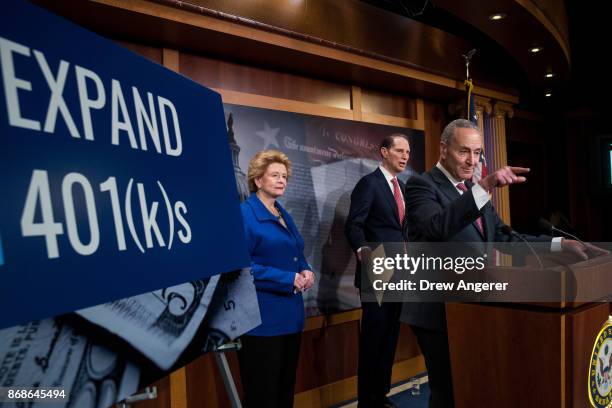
444 184
450 191
386 192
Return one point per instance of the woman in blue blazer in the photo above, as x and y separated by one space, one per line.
269 355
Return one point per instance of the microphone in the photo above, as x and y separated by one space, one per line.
545 225
506 229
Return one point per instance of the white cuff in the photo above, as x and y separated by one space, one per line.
481 197
555 244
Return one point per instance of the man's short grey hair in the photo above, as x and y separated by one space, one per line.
449 130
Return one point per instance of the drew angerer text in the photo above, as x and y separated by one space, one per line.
425 285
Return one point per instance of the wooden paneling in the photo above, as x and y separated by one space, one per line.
252 80
152 53
435 120
356 96
287 105
522 357
527 358
170 59
327 370
388 104
320 322
328 395
504 357
204 383
186 27
391 120
163 395
249 86
407 347
334 393
178 388
332 364
328 355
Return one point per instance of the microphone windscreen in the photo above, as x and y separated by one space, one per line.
506 229
545 225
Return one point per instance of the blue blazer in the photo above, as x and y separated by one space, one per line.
277 254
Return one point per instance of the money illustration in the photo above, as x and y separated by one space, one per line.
48 353
234 310
159 324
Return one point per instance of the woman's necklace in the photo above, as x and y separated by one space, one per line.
273 210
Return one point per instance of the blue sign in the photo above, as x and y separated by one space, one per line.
117 176
1 252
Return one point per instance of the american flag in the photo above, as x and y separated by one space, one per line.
480 171
481 167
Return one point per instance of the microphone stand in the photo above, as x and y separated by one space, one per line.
508 230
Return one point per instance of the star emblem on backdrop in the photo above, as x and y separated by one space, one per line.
268 135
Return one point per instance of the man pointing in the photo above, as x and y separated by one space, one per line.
443 205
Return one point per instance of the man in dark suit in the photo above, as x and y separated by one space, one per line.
377 216
444 205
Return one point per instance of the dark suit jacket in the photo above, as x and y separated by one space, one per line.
436 212
373 215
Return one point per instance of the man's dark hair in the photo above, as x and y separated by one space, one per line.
389 140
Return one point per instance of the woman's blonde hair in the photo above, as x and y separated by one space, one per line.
260 162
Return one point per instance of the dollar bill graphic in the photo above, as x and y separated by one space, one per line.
234 310
48 353
159 324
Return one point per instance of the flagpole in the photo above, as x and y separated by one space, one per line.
469 86
467 57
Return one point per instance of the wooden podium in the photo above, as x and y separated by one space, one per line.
530 354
